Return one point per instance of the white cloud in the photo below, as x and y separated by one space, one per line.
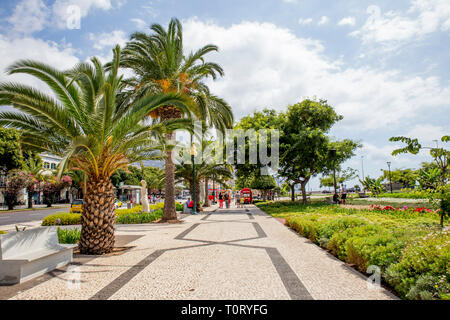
290 1
427 133
348 21
11 50
140 24
323 20
105 39
61 12
29 16
268 66
305 21
394 27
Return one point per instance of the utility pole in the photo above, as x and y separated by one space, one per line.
194 209
362 166
390 180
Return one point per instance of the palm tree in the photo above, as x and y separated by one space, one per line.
160 65
33 166
203 171
85 123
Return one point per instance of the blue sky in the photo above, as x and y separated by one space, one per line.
382 64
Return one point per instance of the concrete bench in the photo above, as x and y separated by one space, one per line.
28 254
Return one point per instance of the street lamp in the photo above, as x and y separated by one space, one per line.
390 180
214 190
193 154
333 156
362 167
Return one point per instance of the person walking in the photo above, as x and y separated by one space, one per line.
226 198
220 200
237 198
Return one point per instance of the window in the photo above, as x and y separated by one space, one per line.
46 165
53 165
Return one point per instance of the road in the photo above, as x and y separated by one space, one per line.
27 218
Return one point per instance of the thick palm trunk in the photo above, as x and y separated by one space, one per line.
292 192
98 218
206 204
169 212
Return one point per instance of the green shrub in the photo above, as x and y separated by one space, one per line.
429 255
381 249
429 287
62 219
69 236
2 232
409 247
138 218
403 195
340 224
178 206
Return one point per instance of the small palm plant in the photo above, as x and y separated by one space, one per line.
91 127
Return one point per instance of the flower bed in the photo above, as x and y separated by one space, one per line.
408 245
123 216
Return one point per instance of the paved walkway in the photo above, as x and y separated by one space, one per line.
226 254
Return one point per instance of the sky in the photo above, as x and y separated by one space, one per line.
381 64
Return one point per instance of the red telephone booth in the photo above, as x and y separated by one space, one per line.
246 195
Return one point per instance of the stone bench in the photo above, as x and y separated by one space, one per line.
28 254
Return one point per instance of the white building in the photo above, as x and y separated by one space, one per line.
49 162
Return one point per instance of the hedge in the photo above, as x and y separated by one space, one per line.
2 232
411 250
123 216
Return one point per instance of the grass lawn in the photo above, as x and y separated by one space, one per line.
409 247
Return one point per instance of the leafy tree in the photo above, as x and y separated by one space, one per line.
304 144
437 185
84 123
406 177
264 183
265 119
10 149
161 66
32 165
373 185
204 170
341 177
16 181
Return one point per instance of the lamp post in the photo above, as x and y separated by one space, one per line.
333 156
362 167
194 209
214 190
390 180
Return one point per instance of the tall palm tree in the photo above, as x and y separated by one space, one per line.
160 65
87 125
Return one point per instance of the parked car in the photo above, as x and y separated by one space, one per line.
77 206
326 191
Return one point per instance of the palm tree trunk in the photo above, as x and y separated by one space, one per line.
169 212
98 218
206 204
292 192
